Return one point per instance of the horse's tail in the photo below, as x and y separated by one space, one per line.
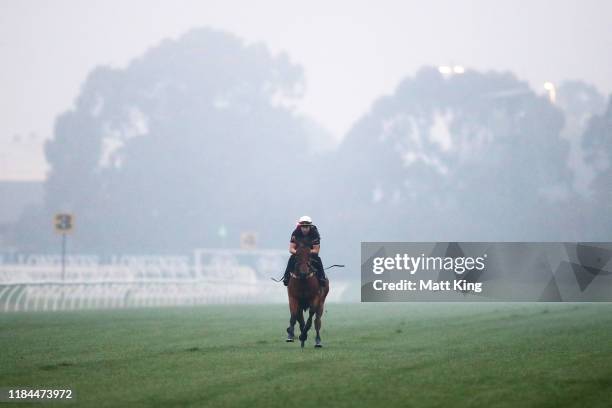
304 304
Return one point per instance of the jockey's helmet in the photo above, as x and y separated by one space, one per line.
305 220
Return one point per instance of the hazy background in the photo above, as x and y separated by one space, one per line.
158 123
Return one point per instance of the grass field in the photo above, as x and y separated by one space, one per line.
408 355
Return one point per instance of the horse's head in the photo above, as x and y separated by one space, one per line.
302 263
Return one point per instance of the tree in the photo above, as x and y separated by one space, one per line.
597 143
579 102
196 133
476 156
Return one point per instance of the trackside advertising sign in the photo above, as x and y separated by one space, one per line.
486 271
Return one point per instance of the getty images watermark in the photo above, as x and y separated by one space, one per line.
485 271
413 264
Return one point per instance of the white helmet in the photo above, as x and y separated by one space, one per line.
305 220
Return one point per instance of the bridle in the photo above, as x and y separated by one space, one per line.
303 276
300 276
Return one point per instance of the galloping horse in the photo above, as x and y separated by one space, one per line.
305 293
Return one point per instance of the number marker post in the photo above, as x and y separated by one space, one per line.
64 223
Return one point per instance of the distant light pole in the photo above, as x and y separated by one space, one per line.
552 91
448 70
445 70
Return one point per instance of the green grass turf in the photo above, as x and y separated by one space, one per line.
408 355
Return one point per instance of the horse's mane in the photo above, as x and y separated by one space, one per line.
302 254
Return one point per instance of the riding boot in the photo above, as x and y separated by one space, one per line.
319 270
321 275
290 265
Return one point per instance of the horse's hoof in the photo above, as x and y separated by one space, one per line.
318 345
290 335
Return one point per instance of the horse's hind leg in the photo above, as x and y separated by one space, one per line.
318 326
320 311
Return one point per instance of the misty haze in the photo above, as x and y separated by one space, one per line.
198 142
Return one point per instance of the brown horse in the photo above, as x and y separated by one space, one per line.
305 293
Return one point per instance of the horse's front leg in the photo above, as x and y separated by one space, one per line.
304 333
293 310
300 319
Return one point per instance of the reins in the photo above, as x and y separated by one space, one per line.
293 275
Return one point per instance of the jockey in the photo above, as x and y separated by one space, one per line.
306 233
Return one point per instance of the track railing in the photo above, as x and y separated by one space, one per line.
209 276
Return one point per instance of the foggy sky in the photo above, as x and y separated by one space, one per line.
352 52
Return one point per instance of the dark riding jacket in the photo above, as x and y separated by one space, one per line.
310 240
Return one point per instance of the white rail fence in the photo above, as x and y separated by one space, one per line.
208 276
